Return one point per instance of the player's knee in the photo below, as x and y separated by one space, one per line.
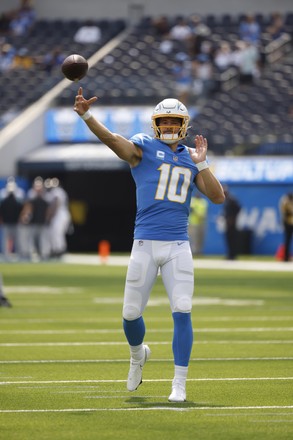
182 304
130 312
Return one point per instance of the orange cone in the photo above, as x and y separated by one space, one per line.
280 253
104 248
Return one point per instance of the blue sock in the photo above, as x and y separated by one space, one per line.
134 331
182 338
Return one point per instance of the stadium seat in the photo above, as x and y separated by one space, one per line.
44 37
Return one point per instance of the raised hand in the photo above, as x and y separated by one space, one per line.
199 153
82 105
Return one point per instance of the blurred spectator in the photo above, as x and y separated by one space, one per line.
166 45
5 19
236 55
249 30
60 218
88 33
197 223
276 28
22 59
230 213
11 185
248 64
182 71
204 82
51 61
181 31
7 53
11 204
198 27
161 25
23 18
223 56
286 210
36 216
200 46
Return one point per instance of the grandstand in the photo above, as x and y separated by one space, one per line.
136 72
22 87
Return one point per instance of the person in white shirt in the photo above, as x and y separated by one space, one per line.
181 31
60 217
89 33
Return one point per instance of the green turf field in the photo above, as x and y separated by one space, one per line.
64 359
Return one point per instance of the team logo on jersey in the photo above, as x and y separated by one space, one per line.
160 155
175 158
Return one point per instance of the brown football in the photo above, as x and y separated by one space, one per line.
75 67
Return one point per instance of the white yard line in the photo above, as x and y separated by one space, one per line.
154 408
196 301
86 381
101 361
110 343
154 330
42 290
153 302
160 320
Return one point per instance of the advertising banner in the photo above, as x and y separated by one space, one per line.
258 184
64 125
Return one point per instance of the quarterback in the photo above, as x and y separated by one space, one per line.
165 172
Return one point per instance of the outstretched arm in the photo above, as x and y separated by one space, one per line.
206 181
121 146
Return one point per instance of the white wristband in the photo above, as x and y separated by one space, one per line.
86 115
202 165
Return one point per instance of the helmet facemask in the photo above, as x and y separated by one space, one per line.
169 134
175 109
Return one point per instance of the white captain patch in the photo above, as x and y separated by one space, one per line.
160 154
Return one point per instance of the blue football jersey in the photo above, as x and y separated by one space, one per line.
164 184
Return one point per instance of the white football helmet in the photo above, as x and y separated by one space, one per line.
174 108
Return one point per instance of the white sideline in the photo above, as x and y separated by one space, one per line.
268 266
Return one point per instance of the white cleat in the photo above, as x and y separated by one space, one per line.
178 393
135 370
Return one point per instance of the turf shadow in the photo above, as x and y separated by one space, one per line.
145 403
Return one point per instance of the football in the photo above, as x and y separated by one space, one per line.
75 67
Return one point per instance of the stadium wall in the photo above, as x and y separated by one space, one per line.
133 9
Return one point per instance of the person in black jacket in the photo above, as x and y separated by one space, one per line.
286 209
231 210
11 205
36 216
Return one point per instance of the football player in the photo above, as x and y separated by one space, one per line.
4 302
165 172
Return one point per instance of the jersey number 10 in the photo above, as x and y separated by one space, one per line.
171 185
